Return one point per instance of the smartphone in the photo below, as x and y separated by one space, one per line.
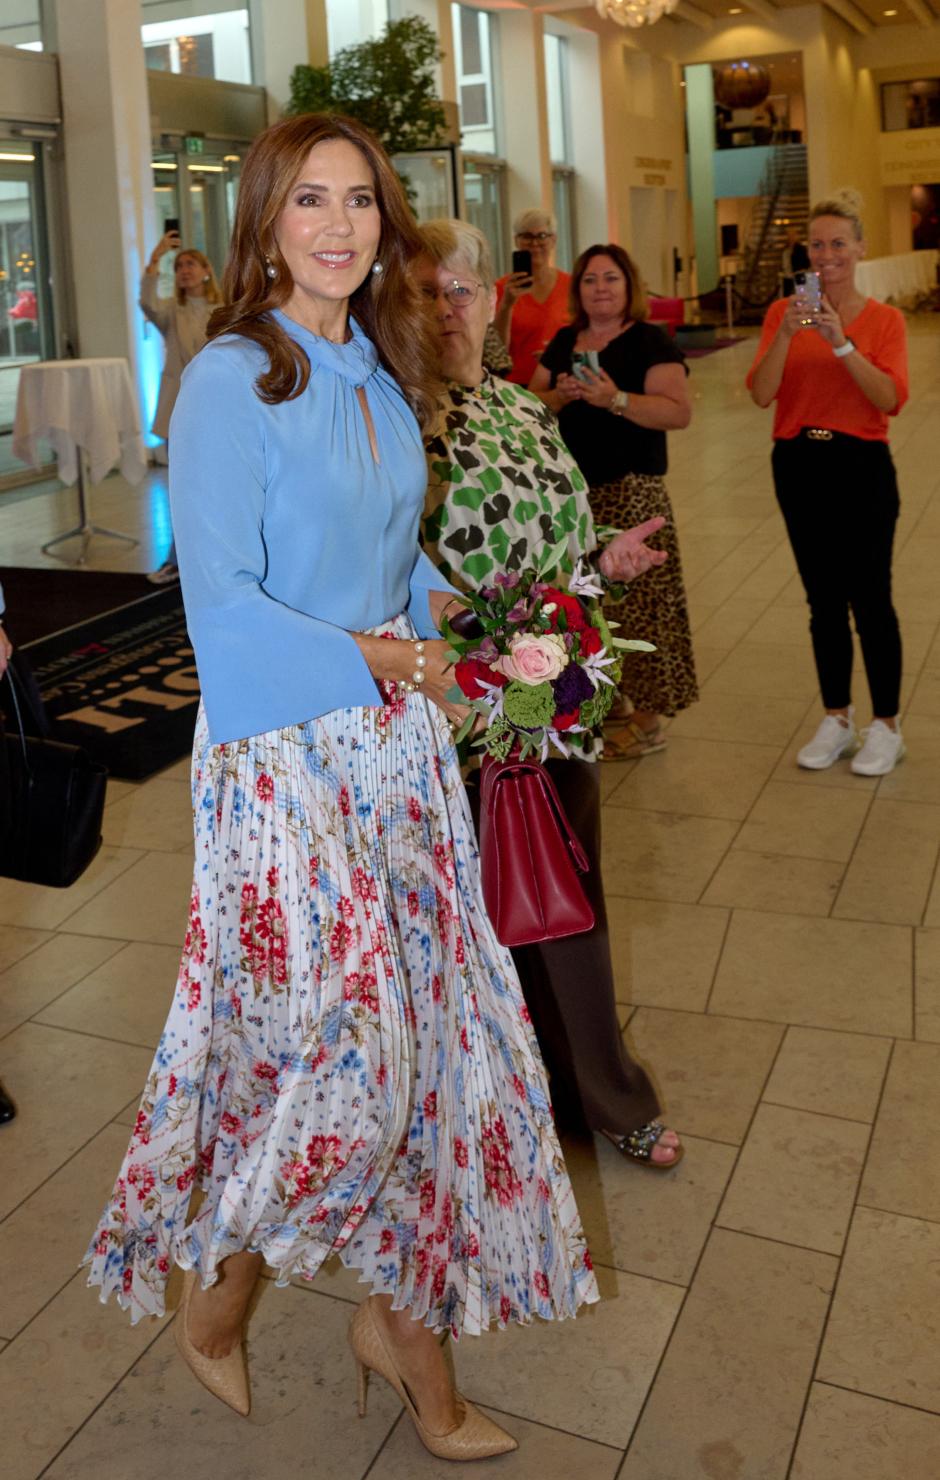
172 223
808 295
585 359
522 262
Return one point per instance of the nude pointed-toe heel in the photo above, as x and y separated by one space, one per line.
475 1437
225 1377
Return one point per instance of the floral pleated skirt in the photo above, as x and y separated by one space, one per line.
348 1065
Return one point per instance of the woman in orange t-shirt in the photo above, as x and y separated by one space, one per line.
531 309
836 381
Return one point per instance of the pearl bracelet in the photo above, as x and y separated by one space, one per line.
412 685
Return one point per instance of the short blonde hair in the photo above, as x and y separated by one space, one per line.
847 204
450 242
532 218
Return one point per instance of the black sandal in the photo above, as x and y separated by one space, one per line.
638 1146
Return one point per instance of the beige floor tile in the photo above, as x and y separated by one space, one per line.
46 909
612 773
126 998
722 716
804 824
848 1436
710 1070
149 903
892 868
118 789
761 669
792 969
665 954
899 1177
732 621
543 1452
829 1073
36 980
701 778
159 1422
927 985
43 1241
658 855
839 777
925 698
156 816
932 912
67 1086
54 1375
707 659
127 1116
782 624
917 778
591 1374
775 881
16 943
729 1395
646 1222
884 1325
179 771
796 1177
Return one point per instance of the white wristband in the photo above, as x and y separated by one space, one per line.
844 349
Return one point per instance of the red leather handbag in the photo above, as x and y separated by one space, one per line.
530 857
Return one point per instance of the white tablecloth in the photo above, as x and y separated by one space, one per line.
902 278
72 404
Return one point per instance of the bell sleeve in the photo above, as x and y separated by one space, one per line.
263 665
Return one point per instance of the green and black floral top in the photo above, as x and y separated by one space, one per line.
501 485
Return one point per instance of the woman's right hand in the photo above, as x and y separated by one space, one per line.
169 242
515 285
568 388
792 321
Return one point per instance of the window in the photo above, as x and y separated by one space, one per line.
910 104
212 45
473 40
20 25
563 206
483 184
556 86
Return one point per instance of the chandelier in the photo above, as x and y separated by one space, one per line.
635 12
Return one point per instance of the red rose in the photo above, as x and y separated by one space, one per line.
591 642
570 605
565 721
470 673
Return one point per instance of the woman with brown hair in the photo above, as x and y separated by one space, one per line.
182 321
348 1066
618 384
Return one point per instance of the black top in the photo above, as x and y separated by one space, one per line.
607 447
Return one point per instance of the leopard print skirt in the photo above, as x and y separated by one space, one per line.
655 607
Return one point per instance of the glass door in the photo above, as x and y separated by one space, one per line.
26 326
483 191
200 194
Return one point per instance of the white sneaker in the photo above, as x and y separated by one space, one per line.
881 752
833 739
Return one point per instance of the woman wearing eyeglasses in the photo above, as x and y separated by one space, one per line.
532 307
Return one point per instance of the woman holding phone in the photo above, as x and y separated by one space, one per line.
618 384
532 300
182 321
837 369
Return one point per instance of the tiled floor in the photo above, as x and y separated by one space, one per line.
772 1310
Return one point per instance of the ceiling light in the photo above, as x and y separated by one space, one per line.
889 12
635 12
735 10
160 164
19 158
207 169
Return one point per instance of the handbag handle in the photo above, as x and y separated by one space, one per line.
11 677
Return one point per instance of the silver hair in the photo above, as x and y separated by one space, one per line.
533 218
453 243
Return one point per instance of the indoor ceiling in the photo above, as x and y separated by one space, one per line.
861 15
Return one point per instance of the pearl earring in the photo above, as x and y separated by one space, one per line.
271 270
377 267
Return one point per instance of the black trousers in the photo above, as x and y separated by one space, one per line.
569 989
839 500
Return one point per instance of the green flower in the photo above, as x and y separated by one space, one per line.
595 710
529 705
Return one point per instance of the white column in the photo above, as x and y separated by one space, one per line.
111 219
285 34
524 105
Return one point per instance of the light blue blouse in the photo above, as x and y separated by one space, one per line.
290 535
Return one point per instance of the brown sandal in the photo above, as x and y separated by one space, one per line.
638 1146
630 741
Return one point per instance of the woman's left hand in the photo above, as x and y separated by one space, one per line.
829 325
628 556
597 388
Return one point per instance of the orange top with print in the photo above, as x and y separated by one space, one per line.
817 389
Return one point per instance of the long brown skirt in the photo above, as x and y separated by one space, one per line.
655 607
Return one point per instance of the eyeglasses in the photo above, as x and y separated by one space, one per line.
458 295
535 236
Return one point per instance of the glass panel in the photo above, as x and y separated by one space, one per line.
215 44
20 25
429 182
167 207
348 22
26 332
911 104
471 50
473 59
563 206
555 82
474 105
209 209
483 194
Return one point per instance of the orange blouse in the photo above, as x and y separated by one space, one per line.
533 325
817 389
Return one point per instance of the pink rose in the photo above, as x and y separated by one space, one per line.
534 660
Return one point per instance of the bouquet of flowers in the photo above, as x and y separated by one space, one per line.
542 666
